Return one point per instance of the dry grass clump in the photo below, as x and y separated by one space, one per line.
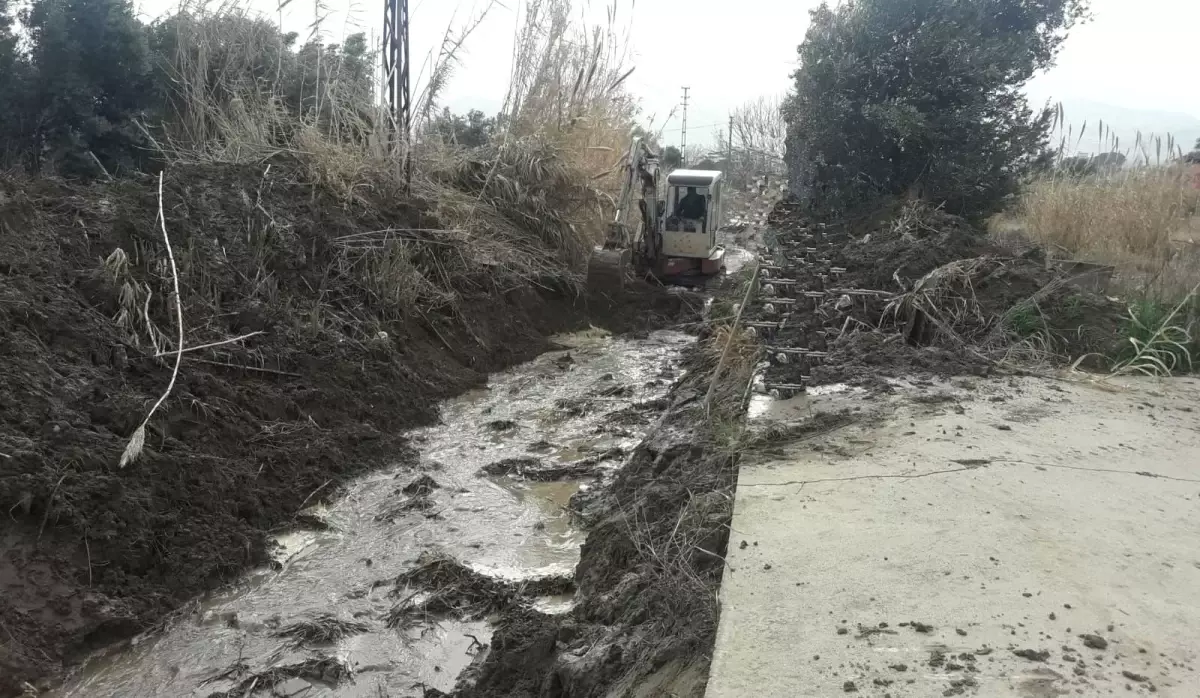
1144 221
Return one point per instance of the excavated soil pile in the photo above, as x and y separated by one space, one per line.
339 360
912 291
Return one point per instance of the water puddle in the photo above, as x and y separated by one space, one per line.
578 404
764 408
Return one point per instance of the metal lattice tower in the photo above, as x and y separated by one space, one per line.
396 73
683 138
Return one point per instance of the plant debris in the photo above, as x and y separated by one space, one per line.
323 628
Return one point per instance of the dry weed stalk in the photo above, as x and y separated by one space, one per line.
945 298
136 442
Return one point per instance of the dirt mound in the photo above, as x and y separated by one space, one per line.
909 290
339 358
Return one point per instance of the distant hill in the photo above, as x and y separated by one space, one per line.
1126 123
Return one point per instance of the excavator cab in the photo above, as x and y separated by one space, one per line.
692 216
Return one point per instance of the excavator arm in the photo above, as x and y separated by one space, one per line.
639 242
640 180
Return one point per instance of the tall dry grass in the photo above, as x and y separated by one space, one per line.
526 207
1144 221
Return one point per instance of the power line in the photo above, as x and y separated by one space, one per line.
677 128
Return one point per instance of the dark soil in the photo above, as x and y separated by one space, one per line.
254 431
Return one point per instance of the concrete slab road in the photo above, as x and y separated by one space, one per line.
1004 537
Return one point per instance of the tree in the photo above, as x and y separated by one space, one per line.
471 131
759 137
672 157
91 80
921 98
13 92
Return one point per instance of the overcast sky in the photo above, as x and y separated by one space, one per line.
1135 55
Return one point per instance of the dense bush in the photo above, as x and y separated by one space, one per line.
921 98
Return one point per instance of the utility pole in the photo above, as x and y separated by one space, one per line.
396 76
683 139
729 146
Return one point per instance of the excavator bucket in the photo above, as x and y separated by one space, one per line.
609 266
608 270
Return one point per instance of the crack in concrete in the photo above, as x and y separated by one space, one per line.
970 464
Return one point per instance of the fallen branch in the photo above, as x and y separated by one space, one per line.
207 346
250 368
134 448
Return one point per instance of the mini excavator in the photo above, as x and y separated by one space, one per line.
675 240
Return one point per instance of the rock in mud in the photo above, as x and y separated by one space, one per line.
502 425
1033 655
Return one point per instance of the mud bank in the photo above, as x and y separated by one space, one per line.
646 602
255 430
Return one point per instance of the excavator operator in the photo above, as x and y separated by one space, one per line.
692 206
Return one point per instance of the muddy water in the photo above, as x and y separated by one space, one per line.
554 408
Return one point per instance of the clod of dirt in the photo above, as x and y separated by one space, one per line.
1094 641
843 631
920 627
849 687
501 425
540 471
1135 677
421 486
898 667
960 631
443 586
1033 655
